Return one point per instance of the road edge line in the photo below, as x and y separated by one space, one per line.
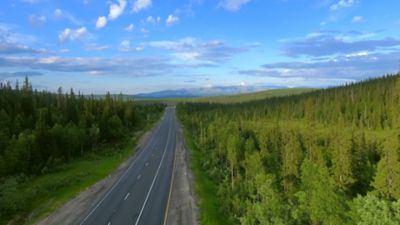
135 156
170 186
155 177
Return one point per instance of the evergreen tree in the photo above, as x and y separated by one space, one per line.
387 179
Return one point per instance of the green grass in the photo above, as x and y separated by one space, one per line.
44 194
242 97
205 189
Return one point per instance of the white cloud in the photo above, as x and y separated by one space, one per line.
62 14
233 5
94 72
58 13
72 35
151 20
96 47
171 20
125 46
37 20
139 5
342 4
357 54
195 51
357 19
133 66
101 22
48 60
14 48
116 9
130 27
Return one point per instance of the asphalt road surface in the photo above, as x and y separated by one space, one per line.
140 195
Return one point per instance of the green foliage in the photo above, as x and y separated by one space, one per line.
387 179
318 201
42 131
370 209
302 159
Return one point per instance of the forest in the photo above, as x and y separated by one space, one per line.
41 131
326 157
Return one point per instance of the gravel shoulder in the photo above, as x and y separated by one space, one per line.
182 207
77 208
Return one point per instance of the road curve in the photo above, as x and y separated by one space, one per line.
140 195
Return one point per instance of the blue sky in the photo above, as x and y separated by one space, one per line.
134 46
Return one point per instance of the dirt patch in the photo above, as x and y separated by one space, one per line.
182 208
77 208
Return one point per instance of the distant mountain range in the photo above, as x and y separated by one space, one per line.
204 92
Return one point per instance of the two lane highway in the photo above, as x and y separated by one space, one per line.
141 194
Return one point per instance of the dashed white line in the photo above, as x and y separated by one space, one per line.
155 177
126 197
109 223
139 176
148 144
146 164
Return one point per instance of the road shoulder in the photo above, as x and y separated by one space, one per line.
182 207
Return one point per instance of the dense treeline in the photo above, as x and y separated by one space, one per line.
40 132
326 157
41 129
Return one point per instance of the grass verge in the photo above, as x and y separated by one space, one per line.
205 188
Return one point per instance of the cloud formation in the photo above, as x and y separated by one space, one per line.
37 20
233 5
116 9
133 66
342 4
139 5
13 48
58 13
96 47
171 20
62 14
342 68
357 19
325 44
101 22
196 51
72 35
125 46
130 27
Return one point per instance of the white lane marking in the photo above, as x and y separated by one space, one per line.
109 223
139 176
123 175
155 177
146 164
126 197
171 184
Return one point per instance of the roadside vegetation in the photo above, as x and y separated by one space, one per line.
52 146
325 157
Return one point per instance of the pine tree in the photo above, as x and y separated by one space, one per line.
319 202
342 157
291 160
387 178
